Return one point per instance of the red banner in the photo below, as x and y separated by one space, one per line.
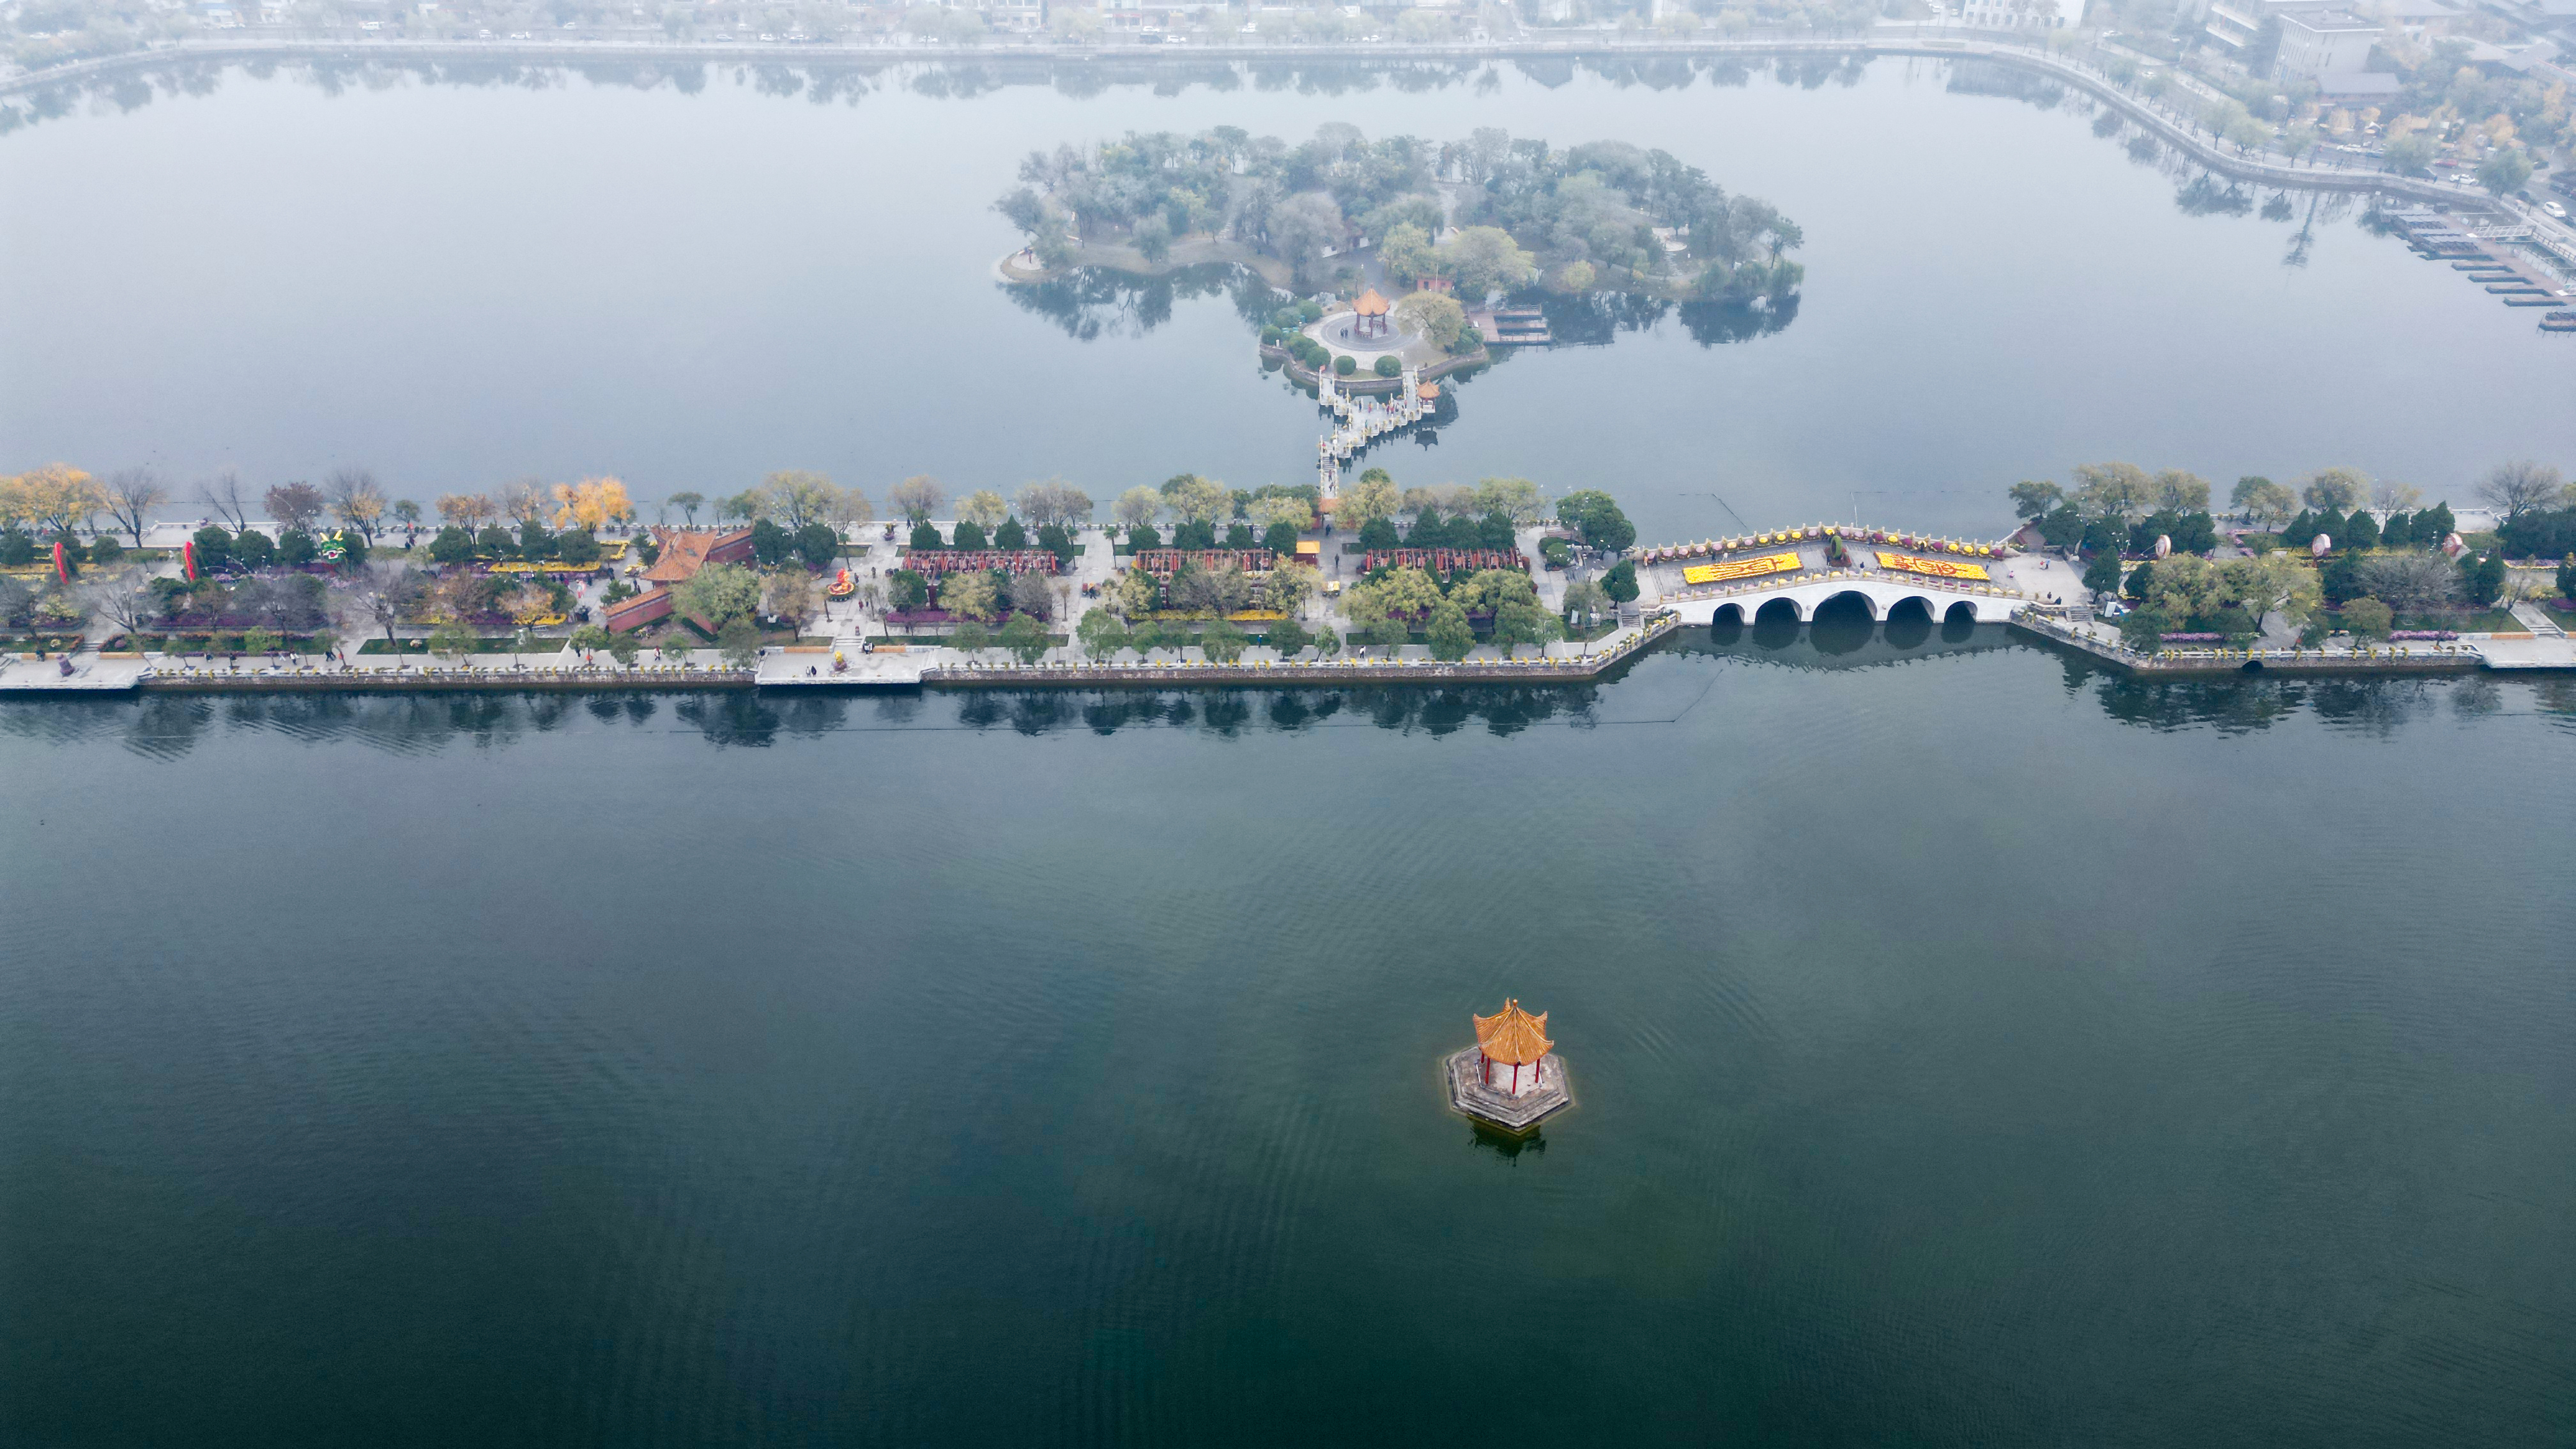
60 571
188 559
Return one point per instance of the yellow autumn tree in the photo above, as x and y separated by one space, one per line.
592 503
57 496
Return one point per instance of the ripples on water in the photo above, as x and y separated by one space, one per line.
1966 1052
166 726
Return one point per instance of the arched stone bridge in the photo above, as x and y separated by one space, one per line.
1814 580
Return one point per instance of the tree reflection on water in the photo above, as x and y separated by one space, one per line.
167 727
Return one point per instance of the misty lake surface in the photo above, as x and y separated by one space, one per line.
456 285
1971 1047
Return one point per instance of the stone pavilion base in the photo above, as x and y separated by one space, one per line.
1497 1108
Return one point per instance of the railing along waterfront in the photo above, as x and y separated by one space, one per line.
531 675
1314 671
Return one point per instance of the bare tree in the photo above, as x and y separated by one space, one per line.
228 500
295 505
2409 581
2518 487
1033 594
133 493
389 594
524 500
356 498
916 498
124 599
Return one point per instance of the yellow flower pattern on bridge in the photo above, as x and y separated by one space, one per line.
1937 567
1742 568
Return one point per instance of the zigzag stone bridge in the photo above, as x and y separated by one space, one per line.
1795 573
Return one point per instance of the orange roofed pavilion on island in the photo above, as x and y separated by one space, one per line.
1512 1077
1514 1038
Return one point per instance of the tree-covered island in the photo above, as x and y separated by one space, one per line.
1483 215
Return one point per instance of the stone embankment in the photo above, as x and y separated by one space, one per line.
2414 658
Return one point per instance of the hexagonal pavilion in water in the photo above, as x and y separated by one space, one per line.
1510 1079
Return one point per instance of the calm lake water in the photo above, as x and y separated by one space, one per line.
457 285
1972 1048
1969 1051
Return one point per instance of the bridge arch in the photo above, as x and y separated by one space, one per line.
1782 608
1962 612
1728 616
1860 597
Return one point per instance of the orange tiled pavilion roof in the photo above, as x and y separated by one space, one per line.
1512 1036
1370 304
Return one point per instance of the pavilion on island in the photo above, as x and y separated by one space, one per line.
1372 310
1512 1078
1513 1038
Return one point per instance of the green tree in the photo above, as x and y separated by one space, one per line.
2360 532
2144 629
2567 579
1011 535
2261 499
925 538
739 641
1449 633
1222 641
2367 618
104 549
2482 580
1406 251
1288 636
1436 316
968 535
2410 154
718 594
623 647
1327 643
589 638
1372 498
577 547
1481 259
2113 490
1519 621
259 641
2031 499
2335 490
970 638
1621 582
1024 638
251 549
689 503
1597 517
2505 171
907 589
1101 633
2102 575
